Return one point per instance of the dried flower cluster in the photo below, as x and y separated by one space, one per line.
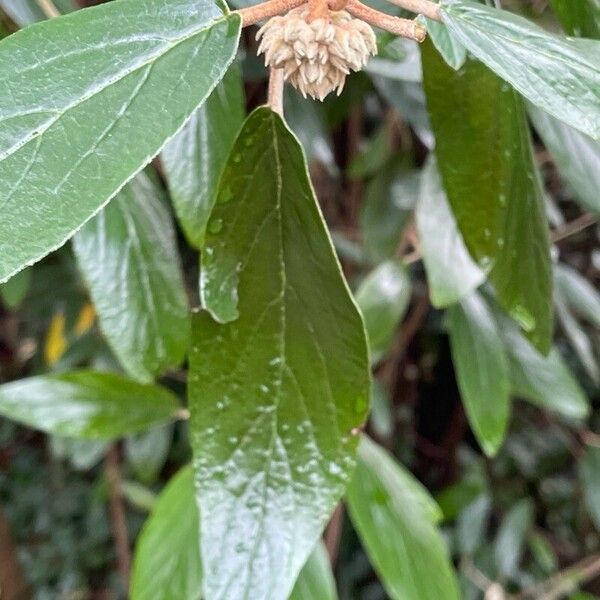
316 56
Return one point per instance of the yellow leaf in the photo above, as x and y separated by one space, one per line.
85 319
56 342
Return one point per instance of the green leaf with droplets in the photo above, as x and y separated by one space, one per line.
128 257
87 404
77 95
557 74
279 374
194 158
485 158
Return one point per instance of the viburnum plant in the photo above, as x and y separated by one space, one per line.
277 359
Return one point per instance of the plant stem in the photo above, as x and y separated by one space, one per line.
405 27
266 10
12 581
275 97
421 7
48 8
317 9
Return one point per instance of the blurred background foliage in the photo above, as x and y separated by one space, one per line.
71 510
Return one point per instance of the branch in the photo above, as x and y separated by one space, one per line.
266 10
48 8
575 226
421 7
405 27
275 95
12 581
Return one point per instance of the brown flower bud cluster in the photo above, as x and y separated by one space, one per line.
316 56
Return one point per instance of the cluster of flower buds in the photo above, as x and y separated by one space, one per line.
316 55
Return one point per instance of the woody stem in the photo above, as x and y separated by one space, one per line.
405 27
317 9
420 7
266 10
275 94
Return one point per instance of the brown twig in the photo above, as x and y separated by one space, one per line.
266 10
333 533
48 8
575 226
12 581
275 94
117 514
420 7
405 27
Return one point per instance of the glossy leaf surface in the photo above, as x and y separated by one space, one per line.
451 272
129 64
194 158
129 259
167 556
87 404
482 370
395 518
486 162
277 391
554 73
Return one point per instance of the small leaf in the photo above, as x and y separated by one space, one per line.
395 518
451 50
316 580
511 537
451 272
383 298
482 370
543 380
87 404
277 392
146 453
589 474
129 64
577 156
581 295
166 564
194 158
485 158
554 73
129 259
471 524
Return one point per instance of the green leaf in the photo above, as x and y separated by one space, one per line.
116 81
581 295
87 404
147 452
395 518
543 380
510 539
589 474
451 50
166 564
316 580
451 272
194 158
129 259
383 298
471 524
577 156
486 162
373 155
482 370
554 73
13 292
276 394
389 199
580 18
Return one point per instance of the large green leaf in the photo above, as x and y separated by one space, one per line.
167 563
485 158
451 272
277 393
86 100
87 404
544 380
482 370
316 580
383 298
129 260
577 156
394 517
193 159
554 73
579 17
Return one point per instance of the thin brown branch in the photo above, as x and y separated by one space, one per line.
117 514
333 533
12 581
275 97
420 7
48 8
266 10
405 27
575 226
